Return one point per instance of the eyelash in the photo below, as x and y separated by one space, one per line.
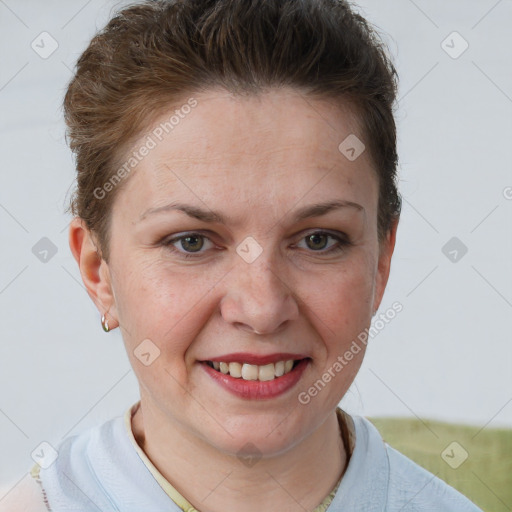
342 243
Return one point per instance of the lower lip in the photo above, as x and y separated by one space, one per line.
255 389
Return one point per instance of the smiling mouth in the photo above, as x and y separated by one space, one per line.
262 373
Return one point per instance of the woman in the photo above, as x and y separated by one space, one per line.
235 217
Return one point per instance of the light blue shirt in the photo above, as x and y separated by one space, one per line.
100 470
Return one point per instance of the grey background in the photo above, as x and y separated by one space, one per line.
447 355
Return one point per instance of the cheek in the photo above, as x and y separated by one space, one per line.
147 301
163 305
153 310
343 299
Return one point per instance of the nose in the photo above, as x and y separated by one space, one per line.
258 299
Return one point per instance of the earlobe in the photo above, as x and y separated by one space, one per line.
93 269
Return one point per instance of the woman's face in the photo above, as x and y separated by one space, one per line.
220 252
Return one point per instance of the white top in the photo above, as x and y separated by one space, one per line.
103 469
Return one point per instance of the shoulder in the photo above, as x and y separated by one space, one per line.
409 481
25 496
411 487
47 486
84 466
100 468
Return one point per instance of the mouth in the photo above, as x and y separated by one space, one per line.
262 373
256 381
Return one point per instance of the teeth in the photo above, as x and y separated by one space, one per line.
267 372
235 370
254 372
249 372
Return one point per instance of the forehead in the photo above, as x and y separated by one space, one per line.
279 146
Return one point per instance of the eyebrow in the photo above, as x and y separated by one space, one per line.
209 216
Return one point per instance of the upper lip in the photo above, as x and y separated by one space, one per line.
257 359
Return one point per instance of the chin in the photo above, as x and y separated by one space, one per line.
264 433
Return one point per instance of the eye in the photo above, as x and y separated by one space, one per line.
191 244
318 242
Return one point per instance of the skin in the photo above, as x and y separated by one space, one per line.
256 160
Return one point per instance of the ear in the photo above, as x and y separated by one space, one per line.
94 270
386 248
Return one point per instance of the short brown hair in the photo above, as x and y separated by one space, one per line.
155 53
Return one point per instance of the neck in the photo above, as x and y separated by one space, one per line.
297 480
